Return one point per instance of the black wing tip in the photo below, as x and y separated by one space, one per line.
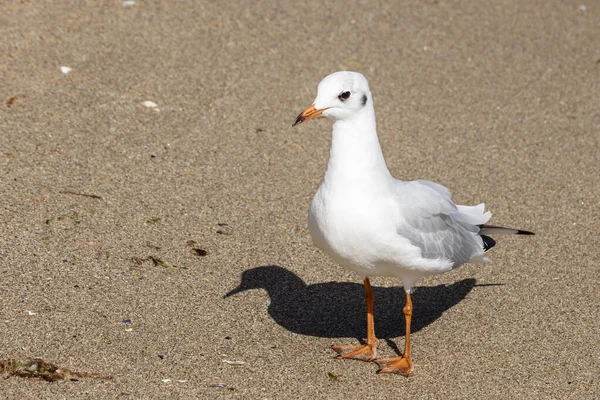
488 242
520 232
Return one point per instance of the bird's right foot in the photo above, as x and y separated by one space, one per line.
365 352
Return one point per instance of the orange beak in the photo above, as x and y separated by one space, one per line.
309 113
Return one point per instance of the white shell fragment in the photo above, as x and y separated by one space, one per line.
65 70
149 104
234 362
31 313
166 380
128 3
220 385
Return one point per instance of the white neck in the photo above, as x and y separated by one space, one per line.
355 155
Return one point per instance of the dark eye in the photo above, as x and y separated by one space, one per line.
344 96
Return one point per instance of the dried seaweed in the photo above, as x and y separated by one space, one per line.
36 368
156 261
91 196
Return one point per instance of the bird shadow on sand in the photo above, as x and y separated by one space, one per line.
337 309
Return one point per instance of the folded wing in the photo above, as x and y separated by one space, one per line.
437 226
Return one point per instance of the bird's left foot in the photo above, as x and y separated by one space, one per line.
396 365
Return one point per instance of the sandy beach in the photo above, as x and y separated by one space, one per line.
125 224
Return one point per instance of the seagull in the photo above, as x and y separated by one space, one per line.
375 225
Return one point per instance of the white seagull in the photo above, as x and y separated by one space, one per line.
376 225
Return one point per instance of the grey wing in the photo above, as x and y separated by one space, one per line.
434 224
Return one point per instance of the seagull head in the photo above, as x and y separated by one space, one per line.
340 96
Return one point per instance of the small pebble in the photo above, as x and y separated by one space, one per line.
225 229
128 3
200 252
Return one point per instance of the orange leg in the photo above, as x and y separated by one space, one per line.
400 365
368 351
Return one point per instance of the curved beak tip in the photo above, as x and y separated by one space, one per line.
310 112
299 120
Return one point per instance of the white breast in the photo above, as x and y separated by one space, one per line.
350 226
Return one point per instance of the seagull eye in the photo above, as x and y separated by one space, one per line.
344 96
